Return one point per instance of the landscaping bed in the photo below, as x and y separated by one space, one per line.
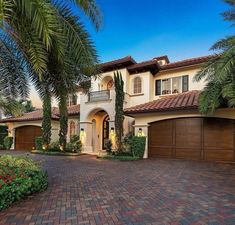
55 153
119 157
19 177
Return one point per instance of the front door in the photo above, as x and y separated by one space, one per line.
105 131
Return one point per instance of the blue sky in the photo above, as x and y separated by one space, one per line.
145 29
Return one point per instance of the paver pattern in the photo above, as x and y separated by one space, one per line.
92 191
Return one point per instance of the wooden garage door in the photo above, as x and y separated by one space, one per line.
192 138
25 137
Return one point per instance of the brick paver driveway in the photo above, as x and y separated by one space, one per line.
87 190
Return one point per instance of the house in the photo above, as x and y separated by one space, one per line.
161 103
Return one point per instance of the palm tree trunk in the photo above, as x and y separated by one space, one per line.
63 120
46 121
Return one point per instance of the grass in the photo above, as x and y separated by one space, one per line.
119 157
55 153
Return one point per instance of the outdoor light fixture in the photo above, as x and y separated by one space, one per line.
112 131
140 132
82 132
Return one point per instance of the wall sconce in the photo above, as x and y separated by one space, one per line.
112 131
82 132
140 132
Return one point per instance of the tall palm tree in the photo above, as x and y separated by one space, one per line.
219 72
45 31
42 18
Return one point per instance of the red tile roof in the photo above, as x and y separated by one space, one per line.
117 64
187 100
188 62
38 115
150 65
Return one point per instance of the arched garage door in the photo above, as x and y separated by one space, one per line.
192 138
25 137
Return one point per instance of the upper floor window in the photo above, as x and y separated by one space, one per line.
72 100
137 87
172 85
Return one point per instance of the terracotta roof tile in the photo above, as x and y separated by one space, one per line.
74 110
38 115
188 62
187 100
151 65
119 63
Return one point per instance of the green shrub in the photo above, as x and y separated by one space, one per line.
19 177
38 143
137 146
3 133
54 146
2 147
8 141
109 146
75 145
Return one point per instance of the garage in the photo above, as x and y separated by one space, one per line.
192 138
25 137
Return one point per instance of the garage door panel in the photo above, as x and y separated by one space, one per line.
160 151
187 153
25 137
218 133
161 134
193 138
188 133
218 154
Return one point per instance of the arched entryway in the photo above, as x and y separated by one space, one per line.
25 137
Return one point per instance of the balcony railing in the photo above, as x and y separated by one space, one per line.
99 96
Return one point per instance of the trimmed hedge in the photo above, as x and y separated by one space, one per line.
137 146
38 143
19 177
8 141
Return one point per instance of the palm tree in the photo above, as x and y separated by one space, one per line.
35 23
219 72
45 32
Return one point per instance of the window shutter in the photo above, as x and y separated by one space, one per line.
185 83
158 87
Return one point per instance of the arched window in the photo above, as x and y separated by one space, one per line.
72 128
137 85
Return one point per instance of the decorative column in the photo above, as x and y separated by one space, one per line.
86 136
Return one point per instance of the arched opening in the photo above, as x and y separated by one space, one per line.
107 83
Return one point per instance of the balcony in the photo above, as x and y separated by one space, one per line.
97 96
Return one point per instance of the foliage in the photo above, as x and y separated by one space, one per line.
120 157
8 141
119 112
75 144
39 143
134 146
219 72
109 146
3 133
138 146
19 177
54 146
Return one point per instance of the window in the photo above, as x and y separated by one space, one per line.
137 85
72 128
173 85
72 100
166 86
